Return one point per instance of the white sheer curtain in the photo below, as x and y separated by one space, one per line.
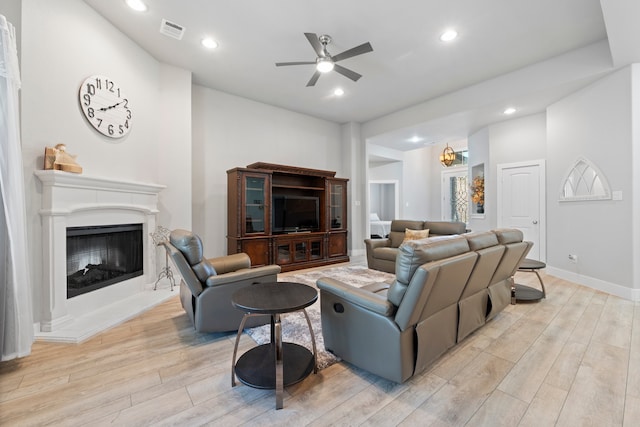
16 312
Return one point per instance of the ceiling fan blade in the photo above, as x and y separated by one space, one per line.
282 64
346 72
315 42
314 79
358 50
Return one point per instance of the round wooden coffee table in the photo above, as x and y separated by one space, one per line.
256 367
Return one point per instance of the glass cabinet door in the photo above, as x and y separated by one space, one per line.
283 253
337 208
315 249
255 210
300 251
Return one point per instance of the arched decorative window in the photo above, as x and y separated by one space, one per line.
585 181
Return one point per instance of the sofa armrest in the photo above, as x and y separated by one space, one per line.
245 274
371 244
229 263
363 298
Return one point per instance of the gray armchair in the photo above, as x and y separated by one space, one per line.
208 284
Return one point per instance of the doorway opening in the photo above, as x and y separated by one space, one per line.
383 207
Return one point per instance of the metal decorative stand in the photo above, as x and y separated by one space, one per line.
160 237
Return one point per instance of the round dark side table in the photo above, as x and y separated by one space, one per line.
527 293
256 367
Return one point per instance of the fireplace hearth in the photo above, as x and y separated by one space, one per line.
99 256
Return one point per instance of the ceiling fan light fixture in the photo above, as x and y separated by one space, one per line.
324 65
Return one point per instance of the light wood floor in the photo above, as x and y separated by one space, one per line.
570 360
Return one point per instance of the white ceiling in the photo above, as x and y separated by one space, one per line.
499 40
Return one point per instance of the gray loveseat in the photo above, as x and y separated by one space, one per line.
381 253
443 291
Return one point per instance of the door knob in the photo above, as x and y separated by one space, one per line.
535 222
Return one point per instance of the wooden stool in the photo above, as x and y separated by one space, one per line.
526 293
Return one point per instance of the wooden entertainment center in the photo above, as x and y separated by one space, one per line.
310 232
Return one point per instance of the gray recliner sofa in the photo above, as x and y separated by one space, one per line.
381 253
208 284
443 291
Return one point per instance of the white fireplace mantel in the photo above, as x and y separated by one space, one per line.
76 200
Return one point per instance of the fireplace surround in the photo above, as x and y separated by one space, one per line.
77 200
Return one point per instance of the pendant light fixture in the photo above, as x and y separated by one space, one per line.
447 156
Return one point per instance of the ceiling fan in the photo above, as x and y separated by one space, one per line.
325 62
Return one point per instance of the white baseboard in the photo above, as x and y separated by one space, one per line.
597 284
358 252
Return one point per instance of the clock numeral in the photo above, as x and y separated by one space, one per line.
87 99
126 124
128 114
110 129
99 83
118 92
120 130
126 102
99 122
109 85
90 112
91 89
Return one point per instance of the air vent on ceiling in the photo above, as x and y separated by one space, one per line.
172 29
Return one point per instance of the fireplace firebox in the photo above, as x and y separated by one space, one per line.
99 256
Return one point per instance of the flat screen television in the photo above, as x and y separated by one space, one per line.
295 214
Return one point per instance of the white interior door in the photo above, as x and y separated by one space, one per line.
521 202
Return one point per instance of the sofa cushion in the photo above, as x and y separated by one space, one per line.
191 247
414 253
415 234
445 227
398 227
481 239
508 235
386 253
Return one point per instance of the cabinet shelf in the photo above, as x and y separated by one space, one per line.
297 187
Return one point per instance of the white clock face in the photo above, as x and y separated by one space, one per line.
105 106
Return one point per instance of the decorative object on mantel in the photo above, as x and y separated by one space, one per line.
477 193
448 156
57 158
584 181
160 236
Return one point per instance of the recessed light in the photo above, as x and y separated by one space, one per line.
509 111
338 92
209 43
415 139
136 5
448 35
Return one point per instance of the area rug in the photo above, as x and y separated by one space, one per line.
294 325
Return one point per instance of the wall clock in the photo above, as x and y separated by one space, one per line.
105 106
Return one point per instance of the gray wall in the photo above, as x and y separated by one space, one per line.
230 131
596 123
